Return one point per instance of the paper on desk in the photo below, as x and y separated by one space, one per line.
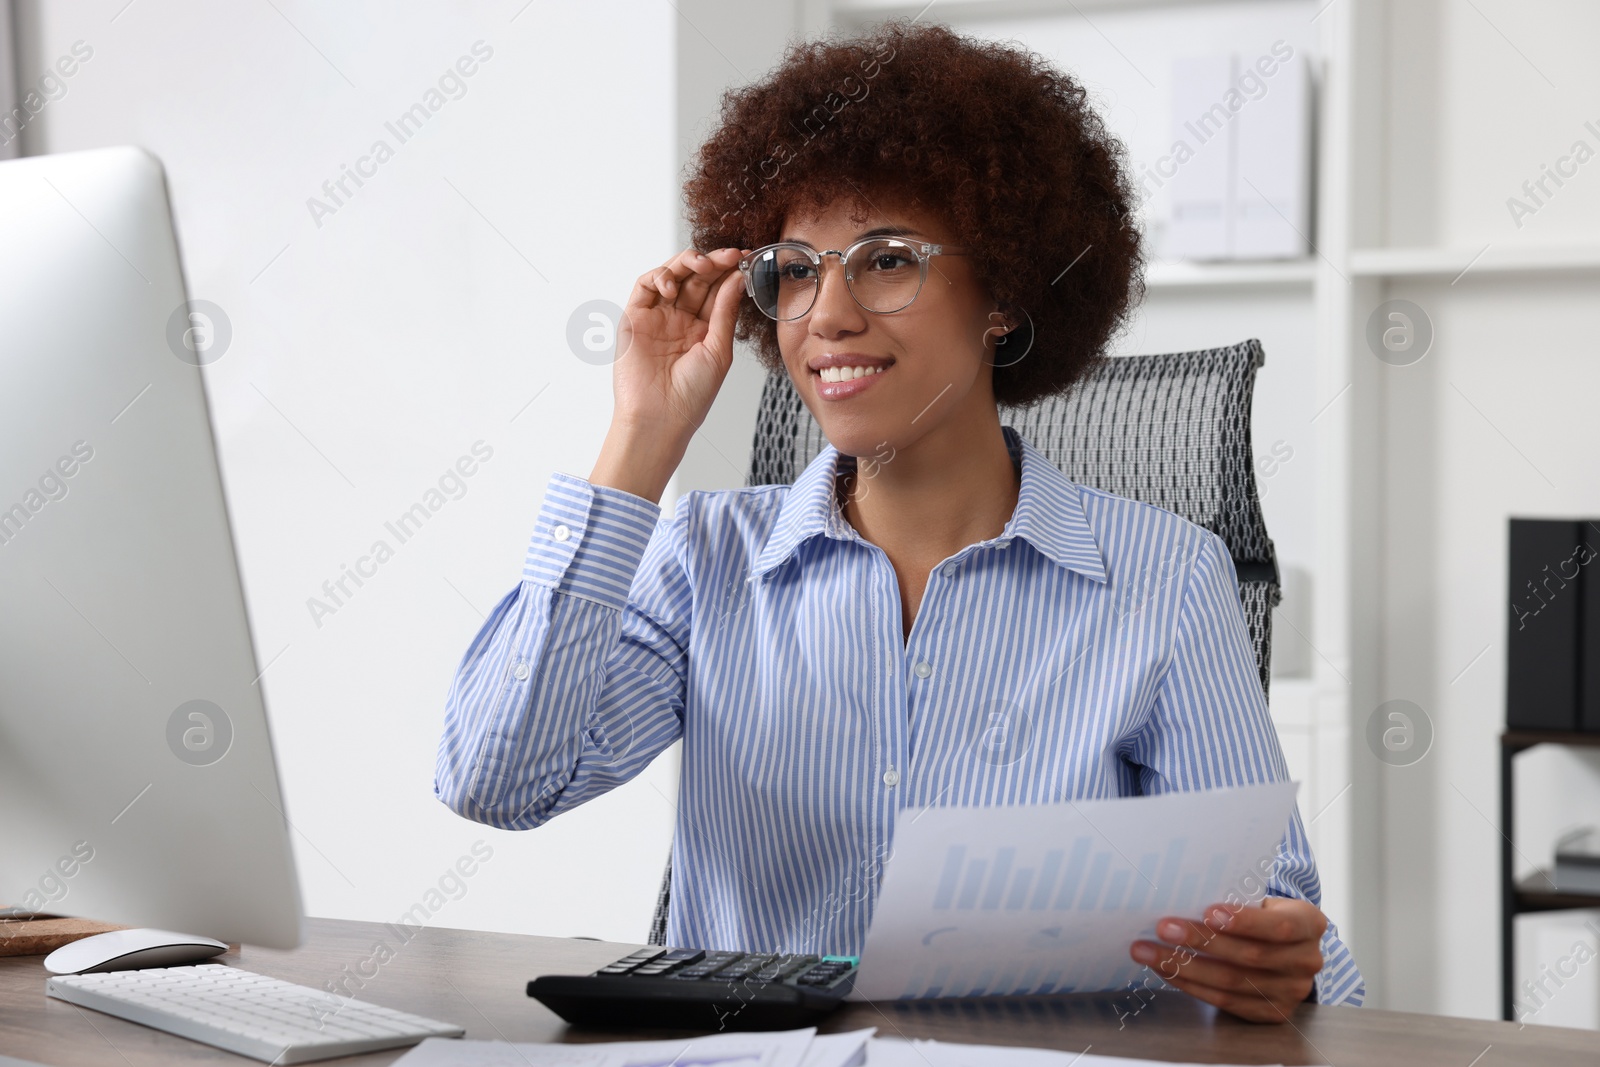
783 1048
839 1050
1042 898
892 1052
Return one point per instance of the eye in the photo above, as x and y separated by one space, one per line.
888 259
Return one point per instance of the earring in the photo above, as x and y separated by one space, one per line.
1015 347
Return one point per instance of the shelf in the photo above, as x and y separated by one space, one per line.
1488 260
1534 894
1517 740
1264 274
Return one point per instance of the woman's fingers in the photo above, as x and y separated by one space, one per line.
684 280
705 271
1280 919
1172 963
1253 1006
1304 956
721 308
1255 962
1259 995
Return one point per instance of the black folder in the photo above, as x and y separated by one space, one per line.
1546 613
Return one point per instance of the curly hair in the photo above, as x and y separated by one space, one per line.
1000 144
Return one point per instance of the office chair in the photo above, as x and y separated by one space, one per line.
1171 430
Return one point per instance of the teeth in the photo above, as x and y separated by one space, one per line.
845 374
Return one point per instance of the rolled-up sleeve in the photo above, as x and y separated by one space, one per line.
1210 728
577 679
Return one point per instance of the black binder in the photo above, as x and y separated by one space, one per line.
1547 608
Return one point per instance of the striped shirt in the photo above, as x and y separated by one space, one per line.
1096 648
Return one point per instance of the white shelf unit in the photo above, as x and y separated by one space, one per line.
1280 274
1460 263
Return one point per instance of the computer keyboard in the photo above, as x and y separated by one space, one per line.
695 989
251 1014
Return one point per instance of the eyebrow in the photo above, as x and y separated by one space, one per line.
879 231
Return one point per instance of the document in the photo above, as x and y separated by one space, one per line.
893 1052
1047 898
783 1048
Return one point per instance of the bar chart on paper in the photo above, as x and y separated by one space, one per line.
1047 898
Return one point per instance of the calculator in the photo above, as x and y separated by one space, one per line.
696 989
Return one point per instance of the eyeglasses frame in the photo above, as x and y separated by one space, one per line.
923 251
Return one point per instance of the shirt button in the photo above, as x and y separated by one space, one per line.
891 777
923 669
949 570
561 533
520 672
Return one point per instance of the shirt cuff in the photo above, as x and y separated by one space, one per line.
589 539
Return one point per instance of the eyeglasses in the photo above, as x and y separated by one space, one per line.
883 274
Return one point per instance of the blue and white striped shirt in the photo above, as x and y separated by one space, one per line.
1095 648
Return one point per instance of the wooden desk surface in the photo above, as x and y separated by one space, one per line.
478 980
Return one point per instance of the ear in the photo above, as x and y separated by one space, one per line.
1009 320
1000 324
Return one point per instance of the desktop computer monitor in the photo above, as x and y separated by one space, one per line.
137 778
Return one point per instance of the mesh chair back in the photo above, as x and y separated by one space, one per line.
1171 430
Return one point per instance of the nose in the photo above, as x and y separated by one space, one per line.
835 311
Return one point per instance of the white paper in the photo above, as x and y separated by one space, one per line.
892 1052
1047 898
839 1050
782 1048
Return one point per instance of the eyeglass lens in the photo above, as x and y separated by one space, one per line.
883 276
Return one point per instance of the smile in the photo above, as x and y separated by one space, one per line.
845 374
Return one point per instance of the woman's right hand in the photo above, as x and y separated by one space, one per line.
675 345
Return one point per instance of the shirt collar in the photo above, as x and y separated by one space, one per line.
1049 515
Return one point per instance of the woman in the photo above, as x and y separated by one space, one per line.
904 210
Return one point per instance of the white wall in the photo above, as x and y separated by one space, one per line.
723 44
372 351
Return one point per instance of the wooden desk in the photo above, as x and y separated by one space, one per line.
478 980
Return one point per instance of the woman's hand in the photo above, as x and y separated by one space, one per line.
674 348
1253 962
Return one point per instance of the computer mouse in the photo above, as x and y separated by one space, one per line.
127 950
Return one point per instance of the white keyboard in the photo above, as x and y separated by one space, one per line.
251 1014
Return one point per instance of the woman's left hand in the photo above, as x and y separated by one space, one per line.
1253 962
